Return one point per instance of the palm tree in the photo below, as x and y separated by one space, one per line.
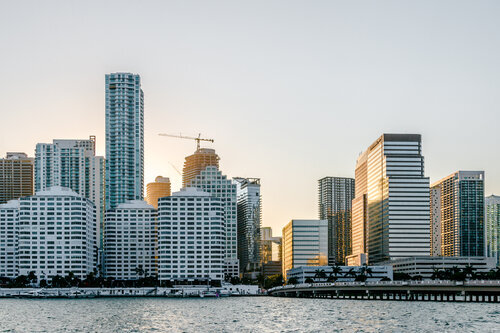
320 274
336 270
32 277
469 270
139 271
369 271
351 273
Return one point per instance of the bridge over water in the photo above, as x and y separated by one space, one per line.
442 291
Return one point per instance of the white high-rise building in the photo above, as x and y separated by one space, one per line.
130 241
9 217
249 223
56 234
213 181
191 237
73 164
492 204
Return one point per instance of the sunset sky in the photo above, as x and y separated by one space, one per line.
291 91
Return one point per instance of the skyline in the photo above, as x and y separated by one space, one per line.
268 111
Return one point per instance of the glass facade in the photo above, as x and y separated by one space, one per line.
335 206
493 227
124 139
460 219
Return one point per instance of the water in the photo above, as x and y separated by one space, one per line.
245 314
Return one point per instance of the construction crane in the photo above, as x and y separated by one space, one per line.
198 139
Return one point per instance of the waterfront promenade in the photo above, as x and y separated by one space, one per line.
443 291
235 290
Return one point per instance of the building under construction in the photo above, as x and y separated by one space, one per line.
197 162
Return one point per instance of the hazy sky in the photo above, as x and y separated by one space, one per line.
291 91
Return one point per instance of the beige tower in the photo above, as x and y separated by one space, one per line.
197 162
16 176
159 189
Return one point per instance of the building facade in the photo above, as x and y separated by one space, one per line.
341 274
335 206
304 243
57 234
9 224
270 246
191 237
212 180
425 266
457 224
249 223
194 164
493 227
72 164
124 139
130 241
16 176
159 189
391 211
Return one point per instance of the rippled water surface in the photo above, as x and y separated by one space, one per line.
245 314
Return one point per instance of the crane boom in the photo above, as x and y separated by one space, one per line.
180 136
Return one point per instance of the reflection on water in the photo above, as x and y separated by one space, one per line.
244 314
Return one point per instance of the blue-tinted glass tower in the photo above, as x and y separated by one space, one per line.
124 139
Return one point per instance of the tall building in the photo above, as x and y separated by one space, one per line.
493 227
56 234
335 205
124 139
390 212
212 180
16 176
159 189
197 162
73 164
191 237
130 241
304 243
249 223
459 215
9 233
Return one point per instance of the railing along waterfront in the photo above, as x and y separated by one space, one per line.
425 290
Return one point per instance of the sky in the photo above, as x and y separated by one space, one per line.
291 91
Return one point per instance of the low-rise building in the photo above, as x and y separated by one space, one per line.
339 273
130 241
425 266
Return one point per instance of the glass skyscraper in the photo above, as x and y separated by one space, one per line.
249 223
335 198
124 139
391 211
457 222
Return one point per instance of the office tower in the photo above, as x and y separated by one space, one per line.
493 227
335 198
130 241
56 234
390 212
191 237
159 189
197 162
73 164
304 243
124 139
9 259
212 180
16 176
249 223
460 222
